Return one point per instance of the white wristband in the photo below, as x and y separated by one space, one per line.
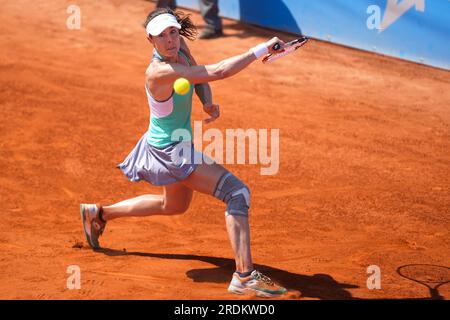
260 50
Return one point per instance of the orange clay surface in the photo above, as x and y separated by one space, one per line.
364 175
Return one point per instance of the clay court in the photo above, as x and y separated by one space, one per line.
364 176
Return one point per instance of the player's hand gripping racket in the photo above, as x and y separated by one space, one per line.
288 48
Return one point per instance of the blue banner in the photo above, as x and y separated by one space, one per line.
415 30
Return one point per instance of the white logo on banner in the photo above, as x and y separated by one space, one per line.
396 9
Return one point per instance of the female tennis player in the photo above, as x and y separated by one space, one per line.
154 157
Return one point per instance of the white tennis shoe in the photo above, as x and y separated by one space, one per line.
93 227
257 283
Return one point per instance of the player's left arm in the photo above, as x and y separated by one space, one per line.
203 90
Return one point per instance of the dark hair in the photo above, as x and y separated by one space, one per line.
188 29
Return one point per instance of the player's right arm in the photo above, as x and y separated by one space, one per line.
169 72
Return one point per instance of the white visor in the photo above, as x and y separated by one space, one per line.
160 23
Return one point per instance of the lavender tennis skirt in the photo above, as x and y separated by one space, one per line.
162 166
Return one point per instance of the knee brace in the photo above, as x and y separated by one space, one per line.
234 193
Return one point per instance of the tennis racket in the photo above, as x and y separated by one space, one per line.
289 47
428 275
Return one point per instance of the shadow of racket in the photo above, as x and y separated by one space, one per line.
431 276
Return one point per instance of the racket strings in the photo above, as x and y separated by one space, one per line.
288 48
285 52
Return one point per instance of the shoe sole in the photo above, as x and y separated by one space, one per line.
259 293
83 219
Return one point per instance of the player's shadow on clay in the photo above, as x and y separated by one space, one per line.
321 286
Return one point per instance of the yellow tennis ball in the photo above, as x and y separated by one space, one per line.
181 86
